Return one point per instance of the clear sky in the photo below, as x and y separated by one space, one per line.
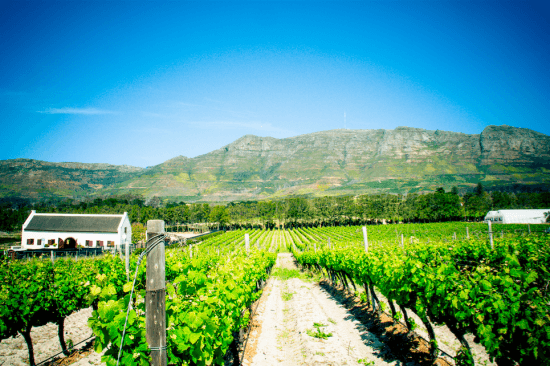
139 83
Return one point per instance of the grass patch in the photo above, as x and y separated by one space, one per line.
318 333
287 296
364 361
285 273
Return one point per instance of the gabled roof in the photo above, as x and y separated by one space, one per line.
75 223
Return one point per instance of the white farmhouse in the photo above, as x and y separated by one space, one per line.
517 216
65 231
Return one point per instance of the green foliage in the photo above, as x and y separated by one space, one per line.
219 214
318 333
138 232
37 292
207 298
500 295
364 361
285 273
287 296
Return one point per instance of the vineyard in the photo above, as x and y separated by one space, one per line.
442 274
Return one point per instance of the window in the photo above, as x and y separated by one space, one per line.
89 243
30 241
99 243
38 241
51 241
125 230
110 243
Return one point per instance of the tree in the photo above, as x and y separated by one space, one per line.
479 189
138 232
220 215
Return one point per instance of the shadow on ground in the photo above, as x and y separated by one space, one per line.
400 344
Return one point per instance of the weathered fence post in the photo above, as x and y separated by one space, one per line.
51 255
490 234
315 247
402 246
247 243
127 256
329 246
467 233
155 307
365 239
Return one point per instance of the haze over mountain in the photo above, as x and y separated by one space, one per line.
331 162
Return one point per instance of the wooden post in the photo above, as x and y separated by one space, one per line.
247 243
155 307
490 234
365 239
51 255
529 228
402 246
329 246
127 257
315 247
467 233
454 235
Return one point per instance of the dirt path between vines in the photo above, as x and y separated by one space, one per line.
14 352
288 310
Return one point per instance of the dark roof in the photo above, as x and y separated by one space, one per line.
76 223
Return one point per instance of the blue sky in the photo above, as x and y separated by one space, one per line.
139 83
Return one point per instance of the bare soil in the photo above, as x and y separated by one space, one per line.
14 352
284 331
288 309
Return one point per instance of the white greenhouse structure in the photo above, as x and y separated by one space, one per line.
518 216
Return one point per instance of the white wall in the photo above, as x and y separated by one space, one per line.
79 237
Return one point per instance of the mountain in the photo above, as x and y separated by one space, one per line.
329 163
40 180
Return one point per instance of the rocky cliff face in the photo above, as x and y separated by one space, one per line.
329 162
515 146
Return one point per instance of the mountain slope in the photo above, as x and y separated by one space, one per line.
323 163
351 162
38 180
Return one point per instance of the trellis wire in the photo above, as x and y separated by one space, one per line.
155 240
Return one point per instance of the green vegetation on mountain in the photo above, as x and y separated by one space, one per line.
334 163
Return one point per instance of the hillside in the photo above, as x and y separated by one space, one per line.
39 180
323 163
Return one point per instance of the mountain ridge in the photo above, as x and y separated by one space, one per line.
332 162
